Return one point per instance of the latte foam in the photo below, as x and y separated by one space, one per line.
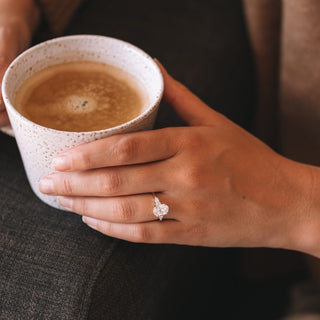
81 96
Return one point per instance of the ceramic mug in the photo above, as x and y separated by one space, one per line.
38 145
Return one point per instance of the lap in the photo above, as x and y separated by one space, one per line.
49 258
54 266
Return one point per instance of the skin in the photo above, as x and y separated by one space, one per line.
18 20
224 187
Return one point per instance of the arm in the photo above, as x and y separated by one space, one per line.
224 187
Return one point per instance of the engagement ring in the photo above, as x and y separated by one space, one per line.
159 209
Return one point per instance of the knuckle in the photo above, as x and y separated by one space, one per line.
81 206
141 234
124 210
195 140
85 160
109 183
189 140
197 233
126 149
192 177
67 186
197 229
197 205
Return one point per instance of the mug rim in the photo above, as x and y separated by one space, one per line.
129 123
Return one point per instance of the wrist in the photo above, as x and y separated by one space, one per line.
309 231
303 219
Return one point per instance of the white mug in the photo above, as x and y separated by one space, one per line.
38 145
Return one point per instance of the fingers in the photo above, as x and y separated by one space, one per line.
140 147
166 231
189 107
125 209
134 148
129 218
114 181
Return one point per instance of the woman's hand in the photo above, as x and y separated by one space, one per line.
18 19
222 185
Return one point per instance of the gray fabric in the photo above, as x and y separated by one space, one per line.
51 265
49 258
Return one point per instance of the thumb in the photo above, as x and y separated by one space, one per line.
188 106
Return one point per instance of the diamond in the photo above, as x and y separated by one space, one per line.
159 209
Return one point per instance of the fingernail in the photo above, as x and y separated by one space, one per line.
62 163
66 202
46 186
91 222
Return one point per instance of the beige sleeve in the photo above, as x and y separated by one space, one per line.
58 13
300 81
263 22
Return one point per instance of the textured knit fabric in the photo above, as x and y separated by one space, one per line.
57 13
49 260
52 266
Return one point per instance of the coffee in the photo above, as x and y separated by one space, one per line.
81 96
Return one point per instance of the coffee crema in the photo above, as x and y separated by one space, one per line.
81 96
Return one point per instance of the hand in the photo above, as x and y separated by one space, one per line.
18 19
223 186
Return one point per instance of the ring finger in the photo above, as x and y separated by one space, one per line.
124 209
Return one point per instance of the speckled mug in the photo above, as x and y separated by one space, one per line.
38 145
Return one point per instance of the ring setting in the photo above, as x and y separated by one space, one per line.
159 209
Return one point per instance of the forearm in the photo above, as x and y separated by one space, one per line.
310 228
299 215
